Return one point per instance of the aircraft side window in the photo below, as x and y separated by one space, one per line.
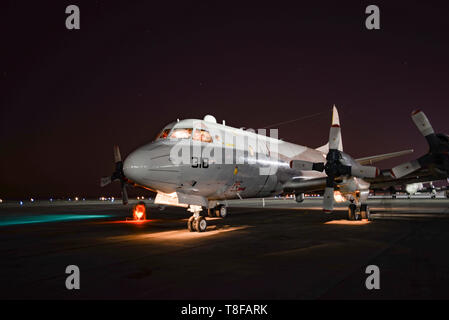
202 135
164 134
181 133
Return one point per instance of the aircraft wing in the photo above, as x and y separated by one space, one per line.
381 182
386 179
380 157
432 166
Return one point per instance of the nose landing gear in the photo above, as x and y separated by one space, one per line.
196 222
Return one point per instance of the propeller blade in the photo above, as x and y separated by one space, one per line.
105 181
405 168
422 123
328 199
306 165
335 137
364 171
117 156
124 193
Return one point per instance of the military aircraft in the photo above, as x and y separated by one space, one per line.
197 163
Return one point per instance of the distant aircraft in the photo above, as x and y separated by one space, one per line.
222 162
415 188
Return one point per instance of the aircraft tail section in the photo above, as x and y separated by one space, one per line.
335 123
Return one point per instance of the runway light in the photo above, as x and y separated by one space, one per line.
76 198
32 200
21 203
139 212
1 200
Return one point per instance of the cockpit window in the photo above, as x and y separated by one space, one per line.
202 135
164 134
181 133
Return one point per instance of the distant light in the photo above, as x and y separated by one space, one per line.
84 199
21 203
76 198
112 199
1 200
70 199
51 199
32 200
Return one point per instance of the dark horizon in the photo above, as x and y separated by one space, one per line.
69 95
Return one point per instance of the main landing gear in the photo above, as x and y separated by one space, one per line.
219 211
198 222
358 213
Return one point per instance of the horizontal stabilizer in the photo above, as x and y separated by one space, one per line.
380 157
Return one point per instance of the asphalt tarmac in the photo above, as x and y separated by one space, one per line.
272 250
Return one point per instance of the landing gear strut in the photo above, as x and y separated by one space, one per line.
299 197
352 211
196 222
357 213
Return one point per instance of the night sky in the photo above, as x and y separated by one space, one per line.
67 96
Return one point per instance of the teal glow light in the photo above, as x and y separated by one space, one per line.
48 218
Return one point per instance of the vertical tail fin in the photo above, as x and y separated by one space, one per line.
335 122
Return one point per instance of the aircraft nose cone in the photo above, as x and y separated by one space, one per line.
136 165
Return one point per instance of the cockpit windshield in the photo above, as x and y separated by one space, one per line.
184 130
163 134
202 135
181 133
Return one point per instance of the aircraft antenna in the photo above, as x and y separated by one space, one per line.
294 120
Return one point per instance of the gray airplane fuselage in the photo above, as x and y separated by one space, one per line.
264 171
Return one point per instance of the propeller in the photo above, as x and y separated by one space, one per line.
117 175
337 164
438 155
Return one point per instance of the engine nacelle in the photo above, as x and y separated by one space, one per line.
355 188
352 185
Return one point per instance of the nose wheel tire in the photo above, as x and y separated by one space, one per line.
200 224
190 224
